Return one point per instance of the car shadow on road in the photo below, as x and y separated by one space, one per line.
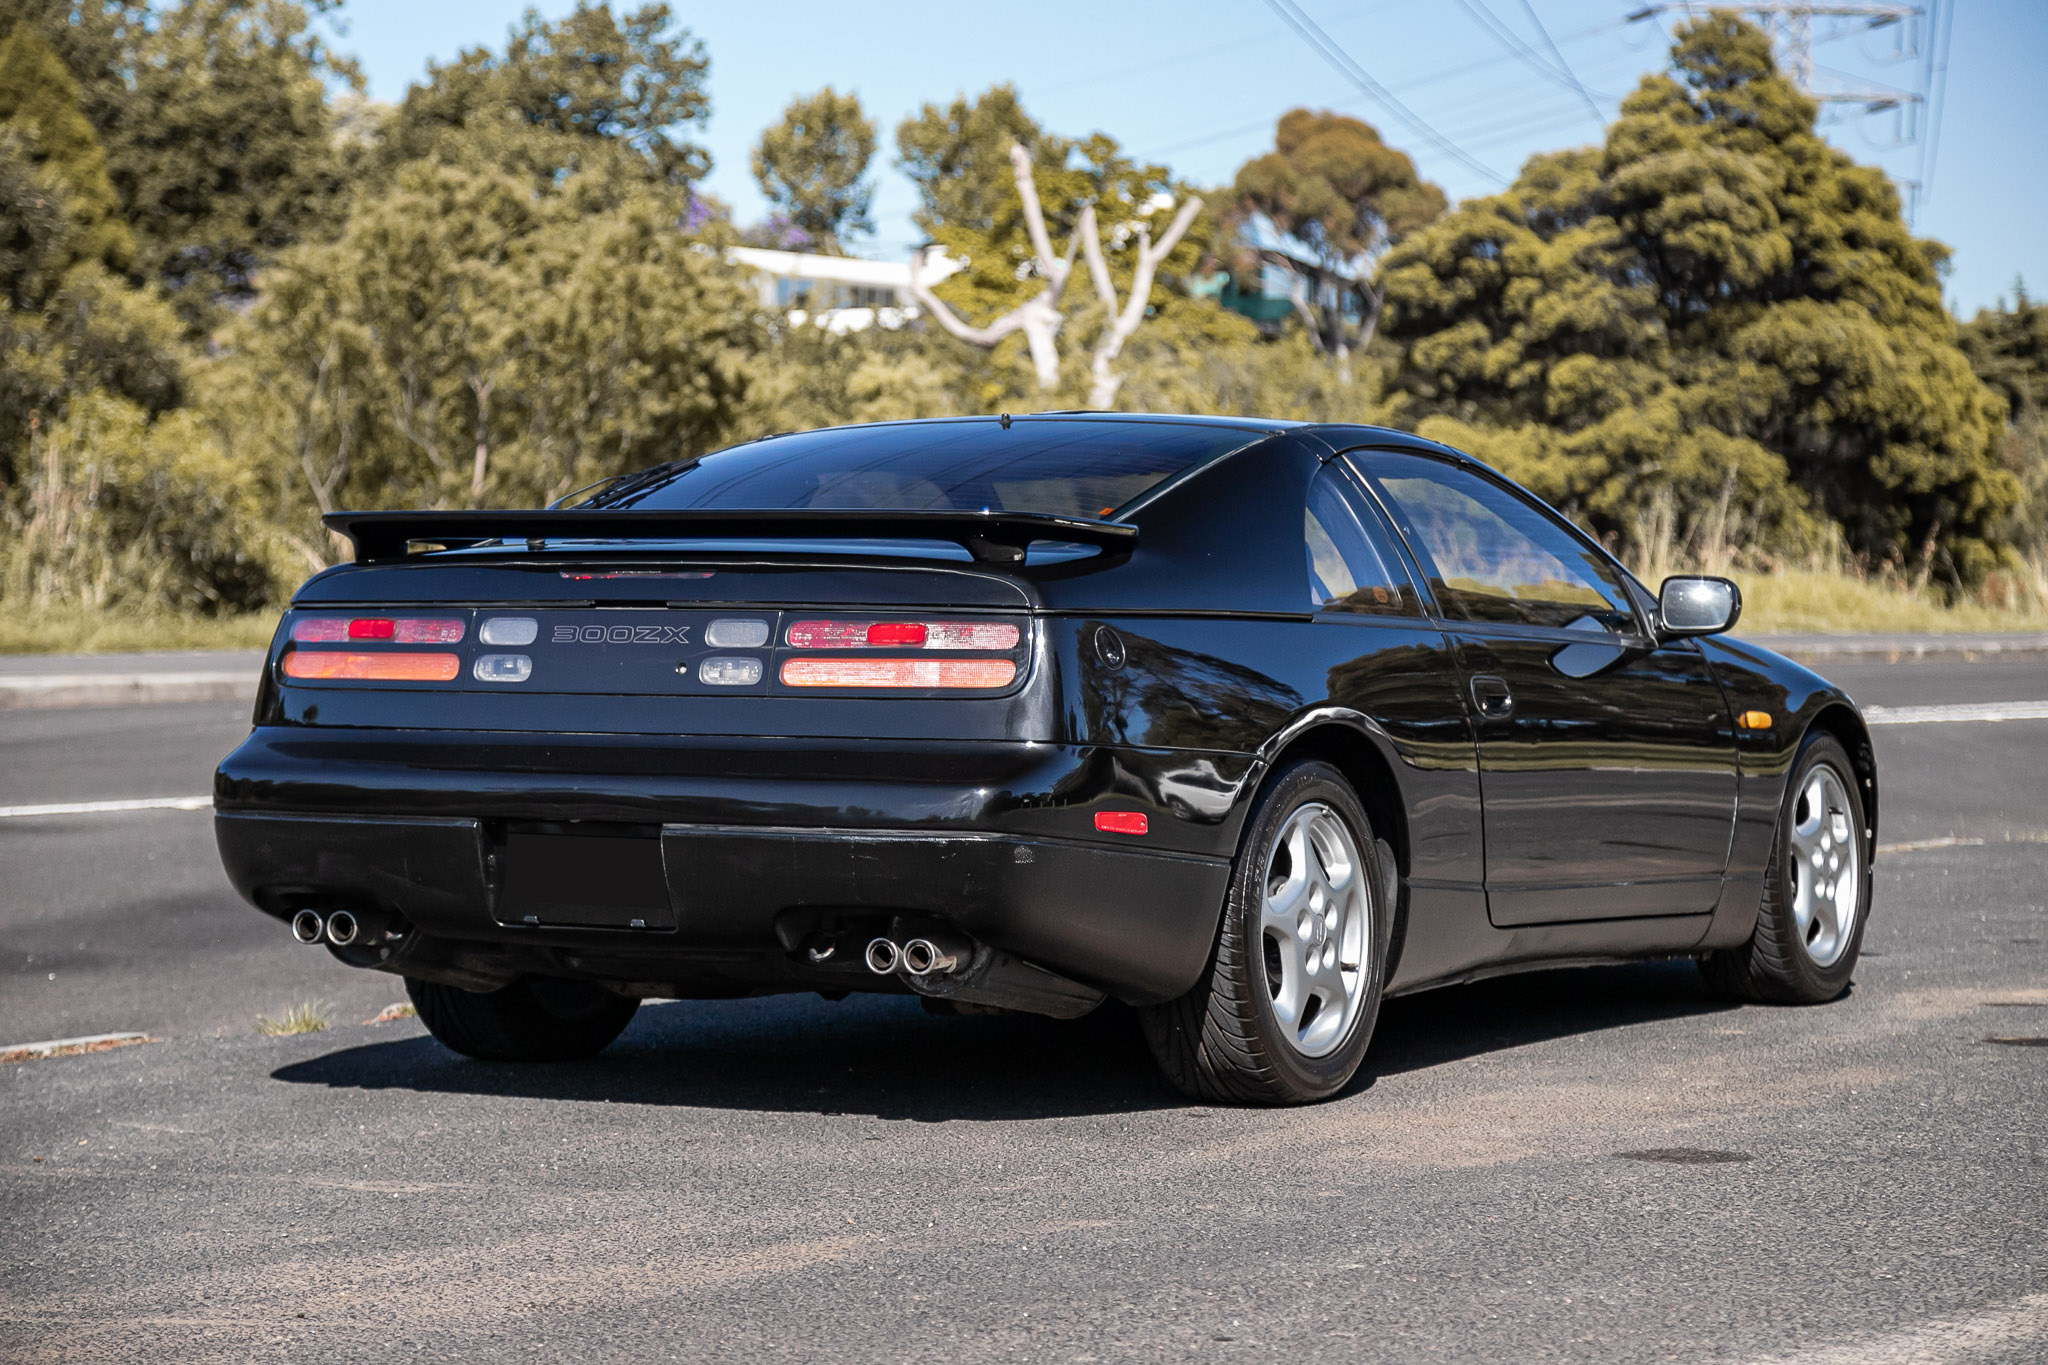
883 1056
1457 1023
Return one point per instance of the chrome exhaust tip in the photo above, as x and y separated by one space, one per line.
308 926
883 956
342 928
923 957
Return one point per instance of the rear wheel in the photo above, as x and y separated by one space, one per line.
535 1019
1809 929
1286 1009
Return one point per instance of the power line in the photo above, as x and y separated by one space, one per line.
1930 147
1521 51
1433 78
1564 65
1348 66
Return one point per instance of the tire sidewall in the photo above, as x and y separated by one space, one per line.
1821 749
1298 785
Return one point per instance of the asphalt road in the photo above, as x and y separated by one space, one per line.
1597 1164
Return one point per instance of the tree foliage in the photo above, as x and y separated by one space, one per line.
2008 348
218 132
1336 197
813 167
1715 305
592 92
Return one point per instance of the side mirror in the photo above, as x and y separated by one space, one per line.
1697 605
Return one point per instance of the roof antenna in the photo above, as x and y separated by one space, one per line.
1006 421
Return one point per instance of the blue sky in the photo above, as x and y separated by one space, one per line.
1198 85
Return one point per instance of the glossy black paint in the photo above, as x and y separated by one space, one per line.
1614 810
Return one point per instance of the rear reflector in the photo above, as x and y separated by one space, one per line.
399 630
303 663
914 673
1121 821
902 635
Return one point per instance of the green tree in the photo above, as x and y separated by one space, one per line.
592 91
39 101
813 168
958 157
219 141
1325 205
1714 306
2008 348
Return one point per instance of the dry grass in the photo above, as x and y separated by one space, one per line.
80 630
308 1016
1827 591
1834 602
402 1010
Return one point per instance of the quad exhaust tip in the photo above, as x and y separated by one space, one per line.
883 956
308 926
923 957
342 929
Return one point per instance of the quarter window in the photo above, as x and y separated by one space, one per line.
1351 565
1493 556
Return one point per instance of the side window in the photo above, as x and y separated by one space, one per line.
1350 565
1494 556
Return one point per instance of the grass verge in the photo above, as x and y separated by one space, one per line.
77 630
1806 600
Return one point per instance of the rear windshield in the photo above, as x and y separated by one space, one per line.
1065 466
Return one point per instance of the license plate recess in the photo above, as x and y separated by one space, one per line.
581 874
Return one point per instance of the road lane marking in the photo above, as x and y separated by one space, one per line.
1920 845
1987 1337
108 807
1965 711
61 1047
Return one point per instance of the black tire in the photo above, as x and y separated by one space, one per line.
1223 1041
1775 967
535 1019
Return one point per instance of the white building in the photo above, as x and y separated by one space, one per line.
840 293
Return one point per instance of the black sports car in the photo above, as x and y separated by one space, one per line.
1248 724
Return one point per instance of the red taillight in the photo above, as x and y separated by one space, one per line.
399 630
1121 821
896 634
340 664
912 673
902 635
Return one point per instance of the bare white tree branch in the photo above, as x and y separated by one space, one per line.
1104 381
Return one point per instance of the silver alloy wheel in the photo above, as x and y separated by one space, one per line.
1316 929
1823 864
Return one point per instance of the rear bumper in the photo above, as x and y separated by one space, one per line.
760 842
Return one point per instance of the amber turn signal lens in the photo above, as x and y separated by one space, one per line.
1753 720
911 673
338 664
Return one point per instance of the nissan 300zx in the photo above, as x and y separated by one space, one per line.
1247 724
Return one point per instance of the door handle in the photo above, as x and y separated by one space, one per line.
1492 696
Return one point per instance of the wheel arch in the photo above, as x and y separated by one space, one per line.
1840 719
1350 743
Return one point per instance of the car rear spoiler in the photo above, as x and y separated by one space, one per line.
990 537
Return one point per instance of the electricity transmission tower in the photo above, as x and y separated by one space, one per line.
1791 26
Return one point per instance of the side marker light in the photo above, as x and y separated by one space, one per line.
1121 821
1753 720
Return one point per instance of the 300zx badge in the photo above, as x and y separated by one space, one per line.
621 635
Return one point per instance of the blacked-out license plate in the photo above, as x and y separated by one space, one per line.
593 880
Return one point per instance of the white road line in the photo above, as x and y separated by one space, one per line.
1988 1337
108 807
56 1045
1966 711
